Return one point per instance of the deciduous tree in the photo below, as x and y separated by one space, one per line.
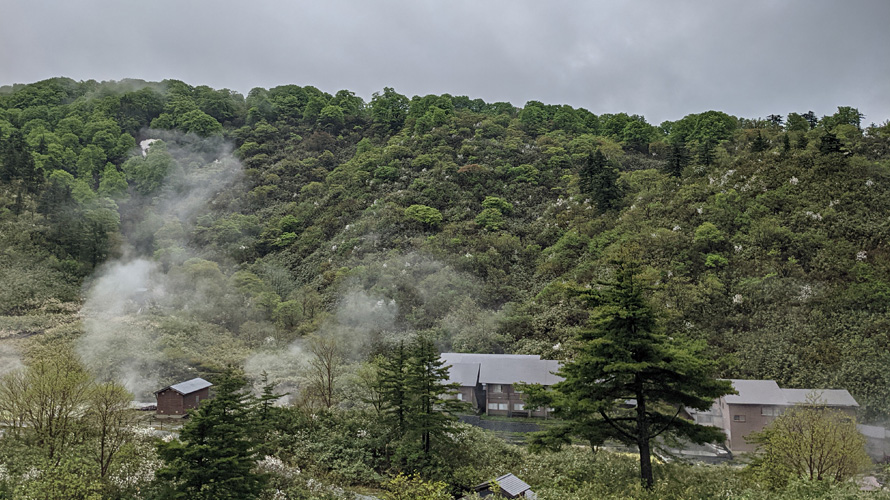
810 441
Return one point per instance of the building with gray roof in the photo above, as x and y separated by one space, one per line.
488 381
757 403
508 486
177 399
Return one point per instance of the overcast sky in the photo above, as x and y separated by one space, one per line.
662 59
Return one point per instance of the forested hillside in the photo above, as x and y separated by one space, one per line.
263 219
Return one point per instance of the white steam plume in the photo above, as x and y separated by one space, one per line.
117 345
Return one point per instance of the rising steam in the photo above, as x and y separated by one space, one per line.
117 343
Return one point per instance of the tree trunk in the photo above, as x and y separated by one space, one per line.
643 436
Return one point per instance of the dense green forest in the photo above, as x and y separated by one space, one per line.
297 233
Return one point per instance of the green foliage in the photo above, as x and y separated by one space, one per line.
623 356
215 455
417 404
147 174
413 487
426 215
499 204
67 436
811 442
389 108
776 261
599 180
491 219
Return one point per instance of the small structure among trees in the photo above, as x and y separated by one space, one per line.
506 486
179 398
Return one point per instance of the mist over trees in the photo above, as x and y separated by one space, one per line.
303 233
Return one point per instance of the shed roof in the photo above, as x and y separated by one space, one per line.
831 397
188 387
507 368
756 392
510 486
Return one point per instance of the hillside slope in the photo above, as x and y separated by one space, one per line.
258 220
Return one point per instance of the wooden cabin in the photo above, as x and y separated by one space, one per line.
176 400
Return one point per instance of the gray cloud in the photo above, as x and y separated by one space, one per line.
660 59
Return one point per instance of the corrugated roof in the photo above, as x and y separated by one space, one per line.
508 368
512 485
756 392
831 397
190 386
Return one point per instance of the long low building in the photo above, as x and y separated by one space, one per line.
758 403
487 381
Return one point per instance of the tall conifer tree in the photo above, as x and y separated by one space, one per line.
629 381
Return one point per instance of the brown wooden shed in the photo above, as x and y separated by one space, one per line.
179 398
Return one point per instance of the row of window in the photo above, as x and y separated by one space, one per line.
504 406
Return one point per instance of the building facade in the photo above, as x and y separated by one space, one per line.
176 400
489 381
758 403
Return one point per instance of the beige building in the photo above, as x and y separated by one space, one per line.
758 403
488 381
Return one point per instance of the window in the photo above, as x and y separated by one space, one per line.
738 418
496 388
518 406
492 406
770 411
460 397
502 406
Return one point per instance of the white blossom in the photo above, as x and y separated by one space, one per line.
737 298
793 181
861 255
806 291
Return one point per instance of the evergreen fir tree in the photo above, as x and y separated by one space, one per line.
706 152
759 144
625 356
830 144
678 158
431 396
599 180
391 378
215 455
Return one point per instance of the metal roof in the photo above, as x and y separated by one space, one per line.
512 485
507 368
830 397
189 386
756 392
465 374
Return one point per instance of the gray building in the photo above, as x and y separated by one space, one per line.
758 403
488 381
